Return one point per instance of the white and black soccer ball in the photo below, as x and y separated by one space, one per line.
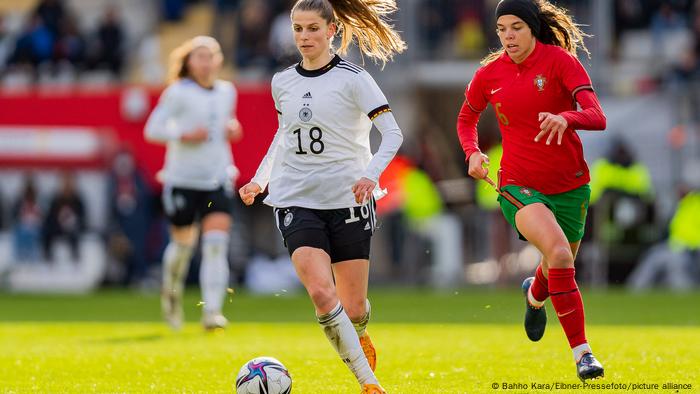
263 375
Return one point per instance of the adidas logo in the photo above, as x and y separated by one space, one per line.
367 226
307 95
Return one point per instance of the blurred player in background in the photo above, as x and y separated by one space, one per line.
195 118
534 83
321 173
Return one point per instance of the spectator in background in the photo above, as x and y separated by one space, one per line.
225 24
622 215
678 259
173 10
5 44
282 46
252 49
470 40
130 210
65 219
69 46
620 171
664 22
108 46
436 20
27 215
628 15
684 76
34 45
53 14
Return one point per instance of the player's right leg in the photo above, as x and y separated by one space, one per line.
309 247
176 263
313 267
180 210
535 289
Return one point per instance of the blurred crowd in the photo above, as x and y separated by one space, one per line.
51 40
255 34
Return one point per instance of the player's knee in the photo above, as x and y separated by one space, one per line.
560 257
323 296
185 235
355 309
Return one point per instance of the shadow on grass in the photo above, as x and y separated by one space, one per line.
126 340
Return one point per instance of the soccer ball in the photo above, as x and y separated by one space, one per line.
263 375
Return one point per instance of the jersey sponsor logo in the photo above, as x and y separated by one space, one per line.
540 81
307 95
305 114
526 191
288 219
494 91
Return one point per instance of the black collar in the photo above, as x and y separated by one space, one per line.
319 71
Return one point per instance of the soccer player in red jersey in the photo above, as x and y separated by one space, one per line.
534 83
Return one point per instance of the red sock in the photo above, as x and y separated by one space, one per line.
540 287
568 304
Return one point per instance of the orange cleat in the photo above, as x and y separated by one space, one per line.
368 349
372 389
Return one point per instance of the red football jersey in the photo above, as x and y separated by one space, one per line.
546 81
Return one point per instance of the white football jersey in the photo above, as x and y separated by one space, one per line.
183 107
322 145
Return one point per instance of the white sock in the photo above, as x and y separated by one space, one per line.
531 299
213 273
361 325
580 350
176 262
341 334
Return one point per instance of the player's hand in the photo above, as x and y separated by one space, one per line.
196 136
363 190
248 192
554 125
234 131
478 165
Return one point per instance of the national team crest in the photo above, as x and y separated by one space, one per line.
305 114
288 219
540 81
526 191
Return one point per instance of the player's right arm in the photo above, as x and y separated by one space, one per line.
474 103
262 176
162 126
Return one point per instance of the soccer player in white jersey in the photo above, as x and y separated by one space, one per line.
195 119
320 172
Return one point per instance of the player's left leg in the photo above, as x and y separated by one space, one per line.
351 277
536 292
214 269
538 225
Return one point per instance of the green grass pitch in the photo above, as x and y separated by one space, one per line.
452 342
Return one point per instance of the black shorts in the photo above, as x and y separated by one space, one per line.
184 206
345 233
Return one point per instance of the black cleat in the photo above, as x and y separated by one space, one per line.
535 318
589 368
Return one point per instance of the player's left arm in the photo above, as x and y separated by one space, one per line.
371 100
234 130
591 117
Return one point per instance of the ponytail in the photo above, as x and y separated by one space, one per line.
361 21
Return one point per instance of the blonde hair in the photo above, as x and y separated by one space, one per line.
179 57
362 21
557 27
